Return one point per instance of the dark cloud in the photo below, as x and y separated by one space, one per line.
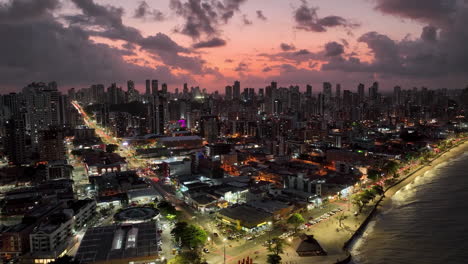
333 49
204 17
440 51
267 69
261 16
429 34
12 11
212 43
307 19
287 47
246 20
228 61
144 11
425 10
109 21
46 50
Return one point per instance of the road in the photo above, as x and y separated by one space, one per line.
107 137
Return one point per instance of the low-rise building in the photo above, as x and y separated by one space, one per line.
121 244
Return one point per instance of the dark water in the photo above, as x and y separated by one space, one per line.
426 223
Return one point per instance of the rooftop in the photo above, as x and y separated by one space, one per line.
115 242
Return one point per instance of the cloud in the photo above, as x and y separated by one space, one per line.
246 20
333 49
108 20
439 52
241 67
47 50
429 34
21 11
212 43
261 16
267 69
203 17
287 47
307 19
144 12
424 10
228 61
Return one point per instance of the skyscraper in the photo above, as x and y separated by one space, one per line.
154 87
130 85
236 90
309 90
361 92
327 92
338 91
228 92
15 140
148 87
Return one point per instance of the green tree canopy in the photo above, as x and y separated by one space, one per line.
273 259
166 208
276 246
190 235
296 220
391 167
187 257
373 174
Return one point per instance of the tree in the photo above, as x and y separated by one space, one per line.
276 246
167 209
296 220
377 189
190 235
273 259
187 257
373 175
111 148
391 167
341 218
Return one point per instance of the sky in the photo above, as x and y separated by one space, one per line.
212 43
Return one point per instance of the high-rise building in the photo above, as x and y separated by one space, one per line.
148 87
327 91
228 92
209 127
374 91
261 93
236 90
397 95
42 105
154 87
309 90
156 114
338 91
361 92
51 145
15 140
130 85
164 88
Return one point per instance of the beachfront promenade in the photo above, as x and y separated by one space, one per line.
336 240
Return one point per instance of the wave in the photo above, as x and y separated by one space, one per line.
409 200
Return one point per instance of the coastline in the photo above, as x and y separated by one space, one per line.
386 199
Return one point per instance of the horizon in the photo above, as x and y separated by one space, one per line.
210 44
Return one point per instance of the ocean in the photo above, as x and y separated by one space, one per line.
426 222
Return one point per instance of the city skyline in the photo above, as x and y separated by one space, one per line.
213 43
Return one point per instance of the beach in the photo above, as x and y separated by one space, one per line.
333 238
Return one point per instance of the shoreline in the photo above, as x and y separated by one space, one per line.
386 199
